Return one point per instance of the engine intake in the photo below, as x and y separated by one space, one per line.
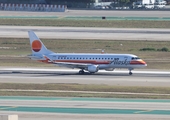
92 68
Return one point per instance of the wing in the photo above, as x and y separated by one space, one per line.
72 65
68 64
33 57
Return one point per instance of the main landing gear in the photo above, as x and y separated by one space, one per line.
81 72
130 71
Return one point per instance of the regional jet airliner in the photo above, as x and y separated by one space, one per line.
83 61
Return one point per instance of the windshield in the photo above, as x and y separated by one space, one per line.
135 58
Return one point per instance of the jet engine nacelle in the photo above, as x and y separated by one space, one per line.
109 69
92 68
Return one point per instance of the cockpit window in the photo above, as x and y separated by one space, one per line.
135 58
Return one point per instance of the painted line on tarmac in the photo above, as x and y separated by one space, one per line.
30 17
144 111
117 18
85 17
83 99
6 108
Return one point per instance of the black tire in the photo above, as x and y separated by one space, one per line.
81 72
130 73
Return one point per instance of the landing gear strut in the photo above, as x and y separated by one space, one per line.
130 71
81 71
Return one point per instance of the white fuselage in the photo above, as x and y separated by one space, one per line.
103 61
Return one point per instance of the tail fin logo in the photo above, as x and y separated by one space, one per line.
36 45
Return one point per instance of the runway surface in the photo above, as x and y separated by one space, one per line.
87 33
112 13
159 109
117 78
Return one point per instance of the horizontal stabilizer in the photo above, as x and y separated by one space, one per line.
35 57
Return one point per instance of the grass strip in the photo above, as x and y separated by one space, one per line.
68 94
85 23
83 87
86 87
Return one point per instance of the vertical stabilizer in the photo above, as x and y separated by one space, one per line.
37 46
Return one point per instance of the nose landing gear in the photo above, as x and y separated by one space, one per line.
130 71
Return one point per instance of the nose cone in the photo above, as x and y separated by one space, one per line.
146 64
143 62
138 62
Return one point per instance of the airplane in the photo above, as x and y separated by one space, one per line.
83 61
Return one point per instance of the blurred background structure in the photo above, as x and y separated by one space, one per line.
98 4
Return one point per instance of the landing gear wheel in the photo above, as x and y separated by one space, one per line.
81 72
130 73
